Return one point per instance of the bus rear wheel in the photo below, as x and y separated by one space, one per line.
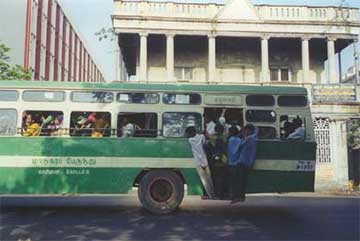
161 191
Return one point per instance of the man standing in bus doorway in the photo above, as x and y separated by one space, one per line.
247 158
197 142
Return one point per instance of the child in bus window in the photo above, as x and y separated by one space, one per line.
56 127
32 127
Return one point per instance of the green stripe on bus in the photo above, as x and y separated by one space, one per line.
162 148
120 180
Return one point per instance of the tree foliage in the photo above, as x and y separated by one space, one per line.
8 71
106 34
354 134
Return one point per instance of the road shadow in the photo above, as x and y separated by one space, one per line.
265 219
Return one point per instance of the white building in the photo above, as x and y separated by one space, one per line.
242 43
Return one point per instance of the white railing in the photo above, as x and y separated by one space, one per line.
208 11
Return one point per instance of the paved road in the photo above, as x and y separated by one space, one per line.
119 218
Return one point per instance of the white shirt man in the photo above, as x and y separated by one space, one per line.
202 166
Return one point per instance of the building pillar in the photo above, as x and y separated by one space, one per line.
143 57
331 61
265 59
356 60
170 57
212 58
305 59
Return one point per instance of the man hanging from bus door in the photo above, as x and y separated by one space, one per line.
197 142
247 157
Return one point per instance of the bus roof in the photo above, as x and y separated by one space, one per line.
18 84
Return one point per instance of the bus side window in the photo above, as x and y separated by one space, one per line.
8 119
175 123
137 124
90 124
266 132
292 127
42 123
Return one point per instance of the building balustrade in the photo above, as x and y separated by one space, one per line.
210 11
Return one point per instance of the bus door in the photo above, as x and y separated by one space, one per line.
217 143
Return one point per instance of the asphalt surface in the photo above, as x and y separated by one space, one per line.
122 218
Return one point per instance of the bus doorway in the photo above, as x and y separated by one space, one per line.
217 123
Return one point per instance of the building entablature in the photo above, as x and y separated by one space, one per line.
236 18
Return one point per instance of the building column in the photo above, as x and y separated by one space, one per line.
212 58
356 60
170 57
305 59
331 61
143 57
265 59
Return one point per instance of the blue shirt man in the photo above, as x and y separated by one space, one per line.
247 150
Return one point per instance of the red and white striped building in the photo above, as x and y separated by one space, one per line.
43 39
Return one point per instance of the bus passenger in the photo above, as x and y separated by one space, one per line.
247 158
197 142
218 160
99 126
128 129
299 133
233 151
32 127
56 127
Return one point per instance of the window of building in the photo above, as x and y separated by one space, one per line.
292 101
137 125
42 123
266 132
292 127
90 124
45 96
181 99
175 123
183 73
9 95
280 74
8 120
138 98
261 116
92 97
260 100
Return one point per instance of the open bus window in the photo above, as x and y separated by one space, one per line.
292 127
8 121
266 132
9 95
43 96
42 123
261 116
90 124
137 124
138 98
181 99
92 97
232 116
175 123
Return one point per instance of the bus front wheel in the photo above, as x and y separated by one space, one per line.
161 191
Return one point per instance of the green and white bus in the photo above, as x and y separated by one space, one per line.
48 148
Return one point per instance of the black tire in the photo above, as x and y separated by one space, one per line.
161 191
